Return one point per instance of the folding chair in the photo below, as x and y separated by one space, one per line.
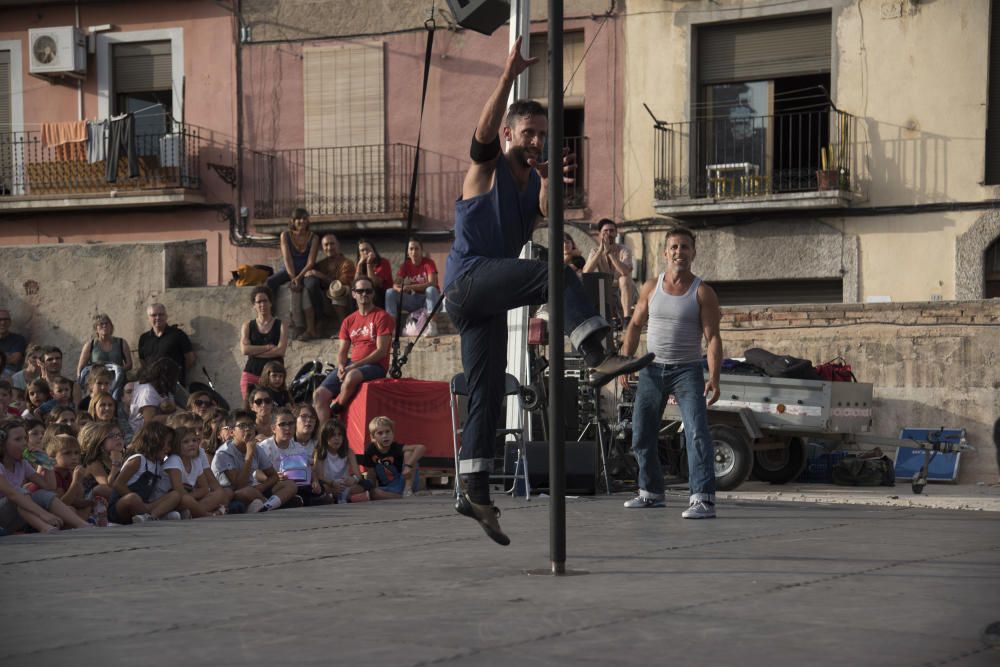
459 388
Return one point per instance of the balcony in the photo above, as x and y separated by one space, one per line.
37 177
751 164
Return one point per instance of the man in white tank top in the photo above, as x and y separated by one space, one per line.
680 309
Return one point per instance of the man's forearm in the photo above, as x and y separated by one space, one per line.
492 115
715 357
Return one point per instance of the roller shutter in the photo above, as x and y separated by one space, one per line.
993 101
142 67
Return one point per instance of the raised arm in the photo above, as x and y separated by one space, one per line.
486 139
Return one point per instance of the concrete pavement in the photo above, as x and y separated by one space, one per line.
412 583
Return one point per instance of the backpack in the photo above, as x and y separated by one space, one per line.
861 471
251 276
836 371
781 366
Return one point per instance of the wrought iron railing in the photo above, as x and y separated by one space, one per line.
743 156
341 180
29 167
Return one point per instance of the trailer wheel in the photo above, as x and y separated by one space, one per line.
779 466
733 458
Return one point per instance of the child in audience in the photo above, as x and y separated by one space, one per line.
62 396
36 431
390 466
136 497
62 415
290 458
99 381
40 509
69 474
260 401
187 475
103 455
273 377
6 396
38 393
306 426
238 462
335 468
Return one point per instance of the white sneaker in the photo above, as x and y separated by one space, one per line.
643 502
255 506
143 518
172 516
699 510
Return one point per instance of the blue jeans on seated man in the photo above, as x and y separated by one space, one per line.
411 302
478 301
368 372
687 383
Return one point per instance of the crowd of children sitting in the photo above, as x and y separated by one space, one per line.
67 467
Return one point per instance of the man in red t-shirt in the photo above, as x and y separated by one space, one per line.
364 351
416 283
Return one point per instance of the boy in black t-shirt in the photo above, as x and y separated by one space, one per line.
391 468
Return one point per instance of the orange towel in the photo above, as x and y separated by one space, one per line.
57 134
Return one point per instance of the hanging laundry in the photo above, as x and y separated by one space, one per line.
66 138
121 137
96 140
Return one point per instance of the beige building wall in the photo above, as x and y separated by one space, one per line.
917 84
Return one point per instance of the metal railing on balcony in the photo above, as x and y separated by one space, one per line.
333 181
743 156
30 168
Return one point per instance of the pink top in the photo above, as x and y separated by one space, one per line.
19 474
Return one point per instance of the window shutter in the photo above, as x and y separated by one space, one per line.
344 95
538 74
767 49
5 91
993 100
142 66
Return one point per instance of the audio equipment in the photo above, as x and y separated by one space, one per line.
483 16
581 466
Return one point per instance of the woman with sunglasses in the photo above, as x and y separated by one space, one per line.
365 336
262 339
202 404
260 402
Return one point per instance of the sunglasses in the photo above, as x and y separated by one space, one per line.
262 401
365 290
203 403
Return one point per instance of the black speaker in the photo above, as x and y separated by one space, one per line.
571 409
581 466
483 16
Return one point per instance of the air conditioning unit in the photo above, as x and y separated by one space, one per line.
60 51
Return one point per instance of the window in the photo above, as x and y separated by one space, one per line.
993 100
762 111
6 138
142 83
991 271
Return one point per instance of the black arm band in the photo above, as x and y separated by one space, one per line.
484 152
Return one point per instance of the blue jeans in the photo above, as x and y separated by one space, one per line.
368 372
478 302
687 383
411 302
312 286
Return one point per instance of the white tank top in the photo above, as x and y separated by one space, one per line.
674 331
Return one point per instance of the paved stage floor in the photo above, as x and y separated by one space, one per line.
412 583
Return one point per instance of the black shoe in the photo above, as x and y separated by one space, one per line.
615 365
487 515
295 501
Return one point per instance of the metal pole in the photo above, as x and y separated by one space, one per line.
557 430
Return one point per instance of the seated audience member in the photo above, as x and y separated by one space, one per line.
153 398
215 434
137 496
334 267
615 260
41 509
36 431
6 396
99 381
202 404
260 403
11 344
38 393
291 459
571 254
335 467
416 284
62 395
195 424
299 248
70 474
62 415
262 339
306 426
52 363
365 337
166 341
274 377
376 268
32 369
238 462
391 468
185 472
103 453
105 349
